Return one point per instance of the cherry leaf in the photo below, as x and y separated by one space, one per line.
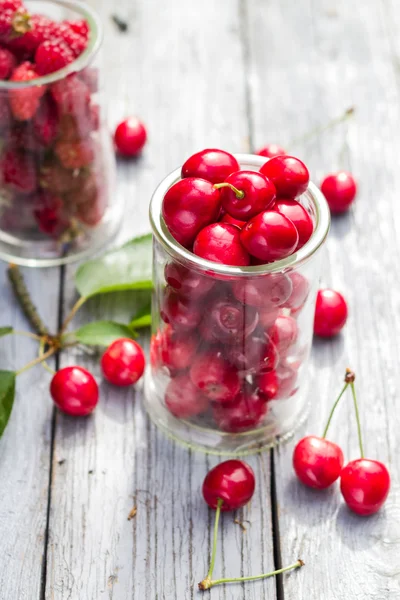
7 393
102 333
5 331
142 318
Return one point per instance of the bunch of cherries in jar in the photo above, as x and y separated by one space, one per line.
227 340
51 167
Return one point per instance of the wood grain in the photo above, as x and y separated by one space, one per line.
26 444
338 58
180 68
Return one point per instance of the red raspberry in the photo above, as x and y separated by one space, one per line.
20 137
55 178
18 170
25 102
73 129
84 193
80 26
40 29
45 121
10 4
91 214
49 214
72 96
52 55
4 112
75 41
8 62
75 155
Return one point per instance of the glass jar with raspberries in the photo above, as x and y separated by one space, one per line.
236 267
57 164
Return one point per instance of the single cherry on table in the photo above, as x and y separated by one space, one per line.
130 137
123 362
74 391
340 190
330 313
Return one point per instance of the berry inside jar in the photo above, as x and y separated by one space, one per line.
229 348
55 168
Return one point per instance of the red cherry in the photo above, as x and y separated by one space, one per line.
289 175
300 218
269 236
256 193
271 150
188 206
268 316
279 384
265 291
232 221
317 462
211 164
284 333
130 137
177 350
75 391
232 481
339 189
255 354
187 281
330 313
123 362
183 399
228 321
215 377
365 485
220 243
246 412
179 312
299 293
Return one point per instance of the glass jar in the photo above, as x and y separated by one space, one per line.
230 345
57 164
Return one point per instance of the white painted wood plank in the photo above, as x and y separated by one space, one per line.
25 445
322 59
180 68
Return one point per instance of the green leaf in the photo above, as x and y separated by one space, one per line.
142 318
125 268
102 333
7 393
5 331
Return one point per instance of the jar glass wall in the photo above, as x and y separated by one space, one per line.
230 345
57 163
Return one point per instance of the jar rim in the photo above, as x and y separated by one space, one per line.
83 60
177 251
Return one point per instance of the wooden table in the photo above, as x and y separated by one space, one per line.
232 74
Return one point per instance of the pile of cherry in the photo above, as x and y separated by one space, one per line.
51 172
318 463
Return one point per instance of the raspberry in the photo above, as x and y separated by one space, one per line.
75 155
4 112
20 137
45 121
10 4
55 178
41 28
85 193
73 129
80 26
72 96
75 41
18 170
52 55
13 23
8 62
25 102
49 214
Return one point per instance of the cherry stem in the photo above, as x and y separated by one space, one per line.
207 580
41 353
212 583
28 334
360 441
346 385
238 193
71 315
37 361
24 298
318 130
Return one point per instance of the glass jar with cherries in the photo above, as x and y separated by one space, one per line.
57 164
237 260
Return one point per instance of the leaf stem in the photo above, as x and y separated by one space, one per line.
207 580
24 298
360 441
41 353
346 385
238 193
321 129
27 334
212 583
73 312
37 361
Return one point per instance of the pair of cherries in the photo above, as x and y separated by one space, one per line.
339 188
74 389
238 217
318 463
